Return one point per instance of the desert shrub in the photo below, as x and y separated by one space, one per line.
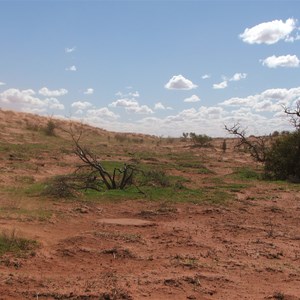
121 138
200 140
49 129
283 158
10 243
60 187
155 178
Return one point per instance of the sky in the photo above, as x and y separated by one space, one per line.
154 67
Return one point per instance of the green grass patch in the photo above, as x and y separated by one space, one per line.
10 243
245 173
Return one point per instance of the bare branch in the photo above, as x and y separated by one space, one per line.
257 146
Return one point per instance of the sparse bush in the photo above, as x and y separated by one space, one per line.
155 178
200 140
283 158
280 155
60 187
50 128
10 243
121 138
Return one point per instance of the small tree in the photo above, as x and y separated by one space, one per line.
256 146
200 140
280 154
283 158
49 128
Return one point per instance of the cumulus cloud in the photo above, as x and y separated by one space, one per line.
131 106
26 100
135 94
193 98
2 83
205 76
221 85
238 76
89 91
96 115
70 50
53 103
124 103
159 105
55 93
178 82
81 105
140 109
269 32
287 61
71 68
270 100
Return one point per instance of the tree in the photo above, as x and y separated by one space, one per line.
200 140
279 154
256 146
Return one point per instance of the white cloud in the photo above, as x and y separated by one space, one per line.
143 109
238 76
55 93
124 103
53 103
70 50
288 61
26 100
2 83
159 105
205 76
178 82
269 32
96 115
270 100
131 106
135 94
71 68
193 98
89 91
221 85
81 105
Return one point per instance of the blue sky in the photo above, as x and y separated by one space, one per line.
157 67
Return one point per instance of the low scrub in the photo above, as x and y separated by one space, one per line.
10 243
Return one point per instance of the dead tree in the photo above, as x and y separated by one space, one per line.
256 146
294 115
92 174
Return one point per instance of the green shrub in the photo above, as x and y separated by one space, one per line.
283 158
10 243
200 140
155 178
49 128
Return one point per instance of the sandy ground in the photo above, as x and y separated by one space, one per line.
248 248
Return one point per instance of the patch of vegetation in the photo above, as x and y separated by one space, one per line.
245 173
59 187
10 243
283 158
49 129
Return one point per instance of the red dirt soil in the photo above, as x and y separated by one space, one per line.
247 248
